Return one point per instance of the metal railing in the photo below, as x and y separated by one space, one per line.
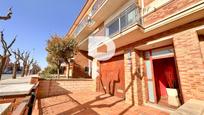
128 18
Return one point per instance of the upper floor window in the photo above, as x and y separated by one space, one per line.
113 28
125 19
128 17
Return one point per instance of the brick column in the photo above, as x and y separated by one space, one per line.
190 64
133 78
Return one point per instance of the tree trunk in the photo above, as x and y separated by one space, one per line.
67 73
0 75
14 70
58 72
27 70
2 64
23 72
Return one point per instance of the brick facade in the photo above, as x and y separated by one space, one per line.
201 39
80 63
134 79
188 46
173 7
49 88
190 64
147 2
188 51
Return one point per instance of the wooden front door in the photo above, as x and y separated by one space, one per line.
112 76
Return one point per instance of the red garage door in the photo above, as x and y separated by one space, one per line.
112 76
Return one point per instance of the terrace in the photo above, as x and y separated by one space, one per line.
90 103
73 97
60 96
78 96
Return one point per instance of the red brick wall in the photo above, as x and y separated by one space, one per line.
167 10
201 39
190 64
14 100
189 60
34 79
134 79
147 2
80 62
48 88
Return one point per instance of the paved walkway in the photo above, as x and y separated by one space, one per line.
91 103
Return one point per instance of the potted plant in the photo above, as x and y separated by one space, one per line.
171 89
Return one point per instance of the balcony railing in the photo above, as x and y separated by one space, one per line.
96 6
86 20
128 18
81 26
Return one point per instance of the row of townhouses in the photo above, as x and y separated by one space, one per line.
159 49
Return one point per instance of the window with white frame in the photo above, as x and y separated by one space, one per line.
113 28
128 17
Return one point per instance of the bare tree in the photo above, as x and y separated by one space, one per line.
27 69
24 57
17 55
8 16
6 52
35 68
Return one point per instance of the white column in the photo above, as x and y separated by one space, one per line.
95 69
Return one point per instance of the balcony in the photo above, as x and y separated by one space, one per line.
101 10
127 19
81 26
127 23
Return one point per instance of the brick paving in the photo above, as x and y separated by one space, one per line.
90 103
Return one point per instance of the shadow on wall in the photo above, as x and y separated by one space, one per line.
135 82
55 87
111 82
80 72
48 88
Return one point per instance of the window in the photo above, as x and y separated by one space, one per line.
113 28
123 21
131 16
86 69
128 17
162 52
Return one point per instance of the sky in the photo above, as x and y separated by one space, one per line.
34 21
